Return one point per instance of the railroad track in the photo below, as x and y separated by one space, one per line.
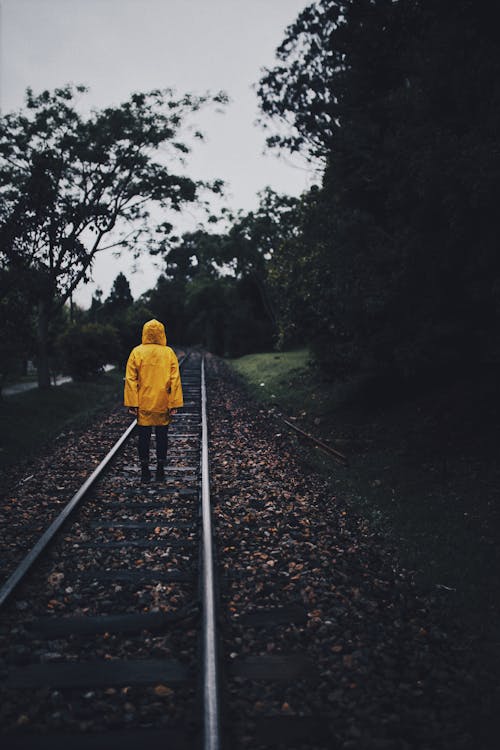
108 626
110 619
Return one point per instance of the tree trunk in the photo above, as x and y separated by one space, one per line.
43 345
266 301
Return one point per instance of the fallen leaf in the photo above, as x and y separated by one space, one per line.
163 691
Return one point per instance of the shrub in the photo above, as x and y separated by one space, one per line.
86 348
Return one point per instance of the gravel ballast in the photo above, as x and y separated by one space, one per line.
388 670
327 641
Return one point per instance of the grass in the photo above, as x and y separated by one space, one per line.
30 420
423 466
270 376
13 378
290 381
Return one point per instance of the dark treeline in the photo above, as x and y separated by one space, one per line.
389 264
216 289
396 264
392 262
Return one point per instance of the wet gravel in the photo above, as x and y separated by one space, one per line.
389 671
32 500
149 531
380 666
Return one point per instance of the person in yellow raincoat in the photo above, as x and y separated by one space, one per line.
153 392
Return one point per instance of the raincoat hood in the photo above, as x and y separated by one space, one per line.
153 332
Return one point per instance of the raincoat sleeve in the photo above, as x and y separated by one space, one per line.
175 400
131 392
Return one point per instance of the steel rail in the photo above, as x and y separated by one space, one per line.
26 563
54 527
327 448
211 717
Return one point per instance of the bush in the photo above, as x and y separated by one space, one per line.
86 348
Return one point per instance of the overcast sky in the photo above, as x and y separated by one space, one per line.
119 46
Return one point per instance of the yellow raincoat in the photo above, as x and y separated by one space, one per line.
152 378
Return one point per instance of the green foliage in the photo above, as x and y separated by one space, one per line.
85 349
216 289
254 239
297 93
124 316
395 265
206 311
120 297
129 330
118 311
16 326
166 301
71 180
248 327
74 186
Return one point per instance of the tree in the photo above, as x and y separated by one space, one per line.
167 302
298 93
195 253
96 306
253 240
120 296
397 261
207 312
16 325
86 348
228 273
74 186
130 329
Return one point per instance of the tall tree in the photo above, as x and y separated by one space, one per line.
16 326
398 259
74 186
297 96
243 251
254 239
120 296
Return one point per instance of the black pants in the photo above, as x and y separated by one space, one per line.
145 439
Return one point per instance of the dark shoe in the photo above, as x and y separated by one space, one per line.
145 473
160 470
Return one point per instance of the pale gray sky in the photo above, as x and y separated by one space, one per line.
119 46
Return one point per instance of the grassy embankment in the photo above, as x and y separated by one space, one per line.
30 420
423 467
